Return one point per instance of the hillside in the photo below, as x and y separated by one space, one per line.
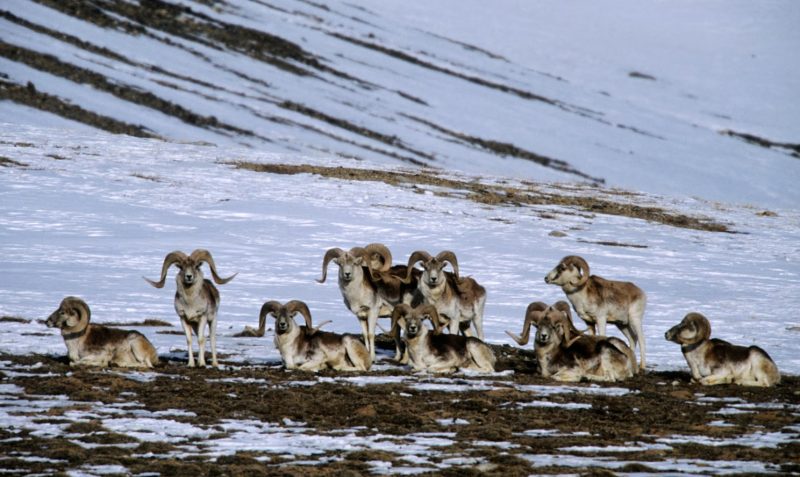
658 140
702 104
89 214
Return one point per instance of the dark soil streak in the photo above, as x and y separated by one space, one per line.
495 194
393 141
8 162
416 61
793 149
79 75
569 108
28 96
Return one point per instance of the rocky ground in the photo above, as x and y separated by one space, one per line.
388 420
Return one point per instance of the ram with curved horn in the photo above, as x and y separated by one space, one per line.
89 344
305 347
436 352
565 357
715 361
196 299
370 286
598 301
460 300
535 312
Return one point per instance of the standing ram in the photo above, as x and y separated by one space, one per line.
196 299
369 286
459 300
598 301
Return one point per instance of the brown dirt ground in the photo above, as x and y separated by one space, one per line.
663 404
606 201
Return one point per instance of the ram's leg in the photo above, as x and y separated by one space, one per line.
568 375
639 334
201 341
601 325
477 319
364 322
400 353
187 329
372 323
212 330
714 379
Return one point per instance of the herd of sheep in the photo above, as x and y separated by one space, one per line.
372 287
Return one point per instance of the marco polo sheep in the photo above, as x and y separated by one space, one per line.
715 361
460 300
437 352
369 287
308 349
196 299
534 314
95 345
564 357
598 301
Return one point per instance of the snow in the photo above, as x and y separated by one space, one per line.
682 466
93 212
715 67
94 227
551 404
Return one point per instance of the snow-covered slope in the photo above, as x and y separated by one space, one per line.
89 214
664 97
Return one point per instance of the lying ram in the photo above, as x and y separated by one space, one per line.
437 352
598 301
95 345
565 357
308 349
715 361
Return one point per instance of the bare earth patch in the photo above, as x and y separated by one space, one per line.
260 420
527 194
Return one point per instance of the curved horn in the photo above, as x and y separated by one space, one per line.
329 255
701 324
171 258
378 252
416 256
566 328
400 311
432 314
268 307
562 305
297 306
565 308
202 255
449 256
533 314
582 265
80 305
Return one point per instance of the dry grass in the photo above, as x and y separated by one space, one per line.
527 195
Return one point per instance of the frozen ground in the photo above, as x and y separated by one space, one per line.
92 213
526 99
89 214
